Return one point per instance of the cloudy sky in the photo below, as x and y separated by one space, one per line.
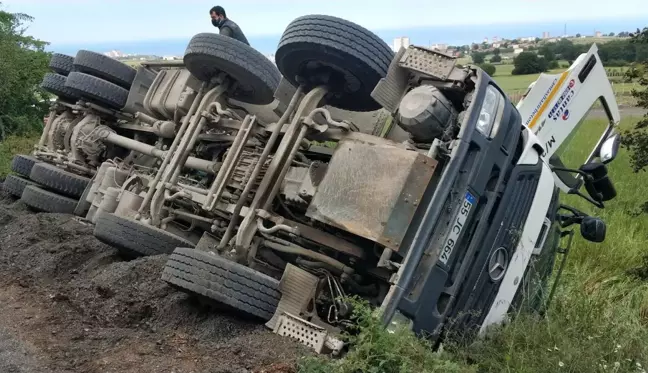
68 21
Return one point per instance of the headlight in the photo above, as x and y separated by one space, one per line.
491 112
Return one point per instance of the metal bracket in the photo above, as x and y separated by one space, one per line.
427 61
307 333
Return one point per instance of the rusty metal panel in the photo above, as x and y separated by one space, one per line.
372 189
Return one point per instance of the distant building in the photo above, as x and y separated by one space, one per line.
170 58
403 42
440 47
545 35
497 45
597 34
517 51
115 54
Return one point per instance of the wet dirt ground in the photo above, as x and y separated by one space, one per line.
69 303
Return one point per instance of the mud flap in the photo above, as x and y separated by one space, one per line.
298 288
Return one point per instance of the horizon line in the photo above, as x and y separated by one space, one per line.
387 29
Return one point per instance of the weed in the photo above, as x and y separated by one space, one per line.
13 145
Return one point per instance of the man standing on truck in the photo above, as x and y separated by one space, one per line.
226 26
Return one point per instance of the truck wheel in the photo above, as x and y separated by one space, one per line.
97 90
350 59
134 239
59 180
15 185
104 67
224 281
55 84
23 164
61 63
257 78
46 201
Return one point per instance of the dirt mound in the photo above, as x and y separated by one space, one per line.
72 304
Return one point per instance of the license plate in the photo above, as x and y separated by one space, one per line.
457 227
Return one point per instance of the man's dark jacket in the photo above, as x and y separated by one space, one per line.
230 28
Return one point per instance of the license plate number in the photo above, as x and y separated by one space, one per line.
457 227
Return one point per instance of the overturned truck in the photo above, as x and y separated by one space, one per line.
440 214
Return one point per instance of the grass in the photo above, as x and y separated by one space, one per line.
593 39
598 321
13 145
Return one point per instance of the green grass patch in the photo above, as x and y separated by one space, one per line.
598 321
13 145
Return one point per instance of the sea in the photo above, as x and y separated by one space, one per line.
451 35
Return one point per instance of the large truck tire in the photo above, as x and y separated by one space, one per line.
257 77
104 67
134 239
223 281
15 185
351 60
97 90
55 84
61 64
23 164
45 201
58 180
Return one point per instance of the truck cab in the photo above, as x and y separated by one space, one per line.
495 212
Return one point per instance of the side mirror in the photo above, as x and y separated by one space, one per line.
593 229
610 148
598 184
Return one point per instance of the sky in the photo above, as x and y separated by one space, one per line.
83 21
164 26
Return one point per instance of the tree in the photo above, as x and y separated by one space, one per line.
497 51
478 57
611 34
490 69
547 53
528 63
636 139
23 62
566 49
578 35
496 58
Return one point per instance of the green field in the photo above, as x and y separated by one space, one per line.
592 39
519 83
